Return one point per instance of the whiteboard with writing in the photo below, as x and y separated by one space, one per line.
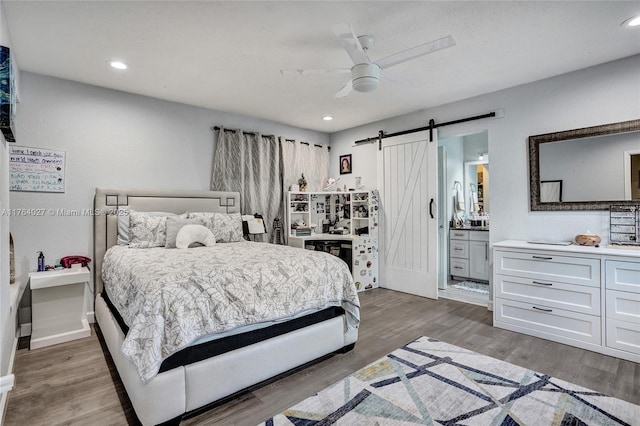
36 169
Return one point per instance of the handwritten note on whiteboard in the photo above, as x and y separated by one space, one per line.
36 169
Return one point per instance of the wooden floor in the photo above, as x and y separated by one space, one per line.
75 383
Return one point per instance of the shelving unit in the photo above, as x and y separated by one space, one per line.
312 220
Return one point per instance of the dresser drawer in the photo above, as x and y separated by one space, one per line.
548 267
623 306
623 335
458 235
544 320
623 276
459 267
571 297
459 248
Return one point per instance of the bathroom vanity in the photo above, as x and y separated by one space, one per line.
469 253
587 297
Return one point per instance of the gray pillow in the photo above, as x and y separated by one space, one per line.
174 224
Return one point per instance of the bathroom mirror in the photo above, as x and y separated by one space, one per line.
476 180
585 169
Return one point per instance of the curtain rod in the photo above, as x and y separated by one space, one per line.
214 128
432 125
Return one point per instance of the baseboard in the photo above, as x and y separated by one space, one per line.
25 329
7 381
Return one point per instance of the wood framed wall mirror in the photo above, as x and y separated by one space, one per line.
585 169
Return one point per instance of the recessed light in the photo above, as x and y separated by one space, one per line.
327 118
634 21
119 65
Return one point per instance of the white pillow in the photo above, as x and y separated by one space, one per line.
190 234
174 224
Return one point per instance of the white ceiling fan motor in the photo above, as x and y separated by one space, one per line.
365 77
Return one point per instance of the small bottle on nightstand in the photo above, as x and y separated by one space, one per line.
41 262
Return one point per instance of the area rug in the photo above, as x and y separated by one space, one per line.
482 288
428 382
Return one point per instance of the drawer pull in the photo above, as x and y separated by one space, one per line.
541 309
457 267
457 249
539 283
542 257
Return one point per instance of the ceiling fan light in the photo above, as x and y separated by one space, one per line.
365 84
365 77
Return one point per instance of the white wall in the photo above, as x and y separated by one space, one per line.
602 94
111 139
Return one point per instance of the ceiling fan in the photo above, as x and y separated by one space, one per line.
366 74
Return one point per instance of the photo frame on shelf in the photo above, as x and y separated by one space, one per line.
345 164
7 95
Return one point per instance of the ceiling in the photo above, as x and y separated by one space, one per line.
227 55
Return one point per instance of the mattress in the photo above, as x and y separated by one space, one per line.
217 345
171 299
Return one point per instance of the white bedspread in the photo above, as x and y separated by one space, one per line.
169 298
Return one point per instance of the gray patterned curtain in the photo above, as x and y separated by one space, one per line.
301 157
250 164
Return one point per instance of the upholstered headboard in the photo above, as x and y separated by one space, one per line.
107 201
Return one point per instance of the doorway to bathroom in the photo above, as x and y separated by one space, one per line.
464 218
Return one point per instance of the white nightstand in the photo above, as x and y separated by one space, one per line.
58 307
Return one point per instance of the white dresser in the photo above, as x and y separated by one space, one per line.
582 296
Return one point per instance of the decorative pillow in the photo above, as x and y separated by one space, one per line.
147 230
174 224
227 228
123 227
123 223
190 234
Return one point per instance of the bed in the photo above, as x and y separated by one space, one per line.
186 379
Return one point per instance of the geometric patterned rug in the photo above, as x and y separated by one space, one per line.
428 382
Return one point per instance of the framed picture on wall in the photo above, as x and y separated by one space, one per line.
345 164
7 96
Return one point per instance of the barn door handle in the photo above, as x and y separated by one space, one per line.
431 208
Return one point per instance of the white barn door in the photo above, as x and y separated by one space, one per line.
407 179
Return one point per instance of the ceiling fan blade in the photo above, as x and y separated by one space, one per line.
414 52
345 90
351 44
311 71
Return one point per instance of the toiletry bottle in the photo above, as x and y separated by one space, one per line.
40 262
